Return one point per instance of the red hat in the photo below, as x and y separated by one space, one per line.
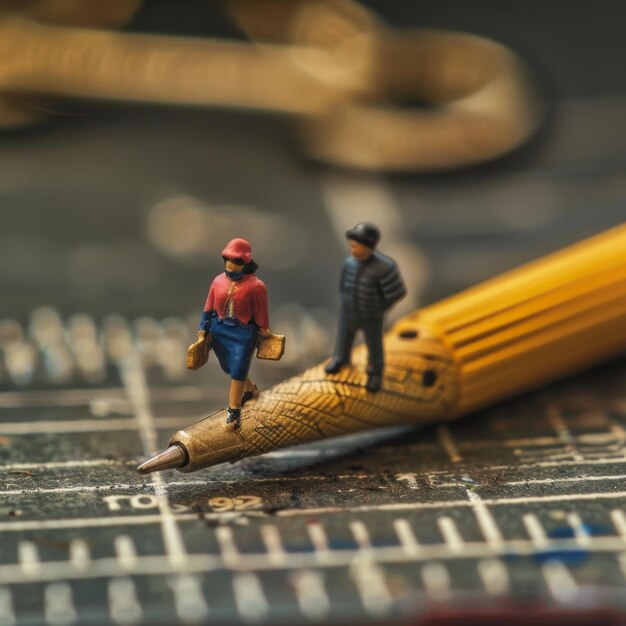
238 249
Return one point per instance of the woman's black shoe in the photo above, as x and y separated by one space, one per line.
234 416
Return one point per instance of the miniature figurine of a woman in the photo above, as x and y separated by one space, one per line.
235 314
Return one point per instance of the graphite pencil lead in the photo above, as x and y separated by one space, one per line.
171 458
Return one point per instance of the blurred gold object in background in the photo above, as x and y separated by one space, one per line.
109 14
340 74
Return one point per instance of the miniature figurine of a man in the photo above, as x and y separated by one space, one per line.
370 285
235 314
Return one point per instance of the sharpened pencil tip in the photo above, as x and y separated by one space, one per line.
167 459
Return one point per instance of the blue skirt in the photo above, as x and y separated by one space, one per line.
233 344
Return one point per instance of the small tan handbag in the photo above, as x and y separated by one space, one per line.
271 348
198 353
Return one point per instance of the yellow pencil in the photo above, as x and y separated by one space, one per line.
549 318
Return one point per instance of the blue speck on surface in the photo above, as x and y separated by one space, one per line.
568 556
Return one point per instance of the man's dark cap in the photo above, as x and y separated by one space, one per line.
366 233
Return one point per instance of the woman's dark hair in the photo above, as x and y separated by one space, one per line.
250 268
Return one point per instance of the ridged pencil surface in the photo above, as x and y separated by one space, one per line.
541 321
420 382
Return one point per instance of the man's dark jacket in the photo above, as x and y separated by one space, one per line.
369 288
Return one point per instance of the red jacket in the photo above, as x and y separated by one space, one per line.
249 299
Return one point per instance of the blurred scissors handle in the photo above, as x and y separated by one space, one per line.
477 99
87 63
108 14
343 77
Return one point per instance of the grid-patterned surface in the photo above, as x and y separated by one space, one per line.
522 503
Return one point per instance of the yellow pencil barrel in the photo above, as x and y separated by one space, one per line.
543 320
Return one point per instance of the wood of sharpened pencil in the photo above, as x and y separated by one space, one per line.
547 319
